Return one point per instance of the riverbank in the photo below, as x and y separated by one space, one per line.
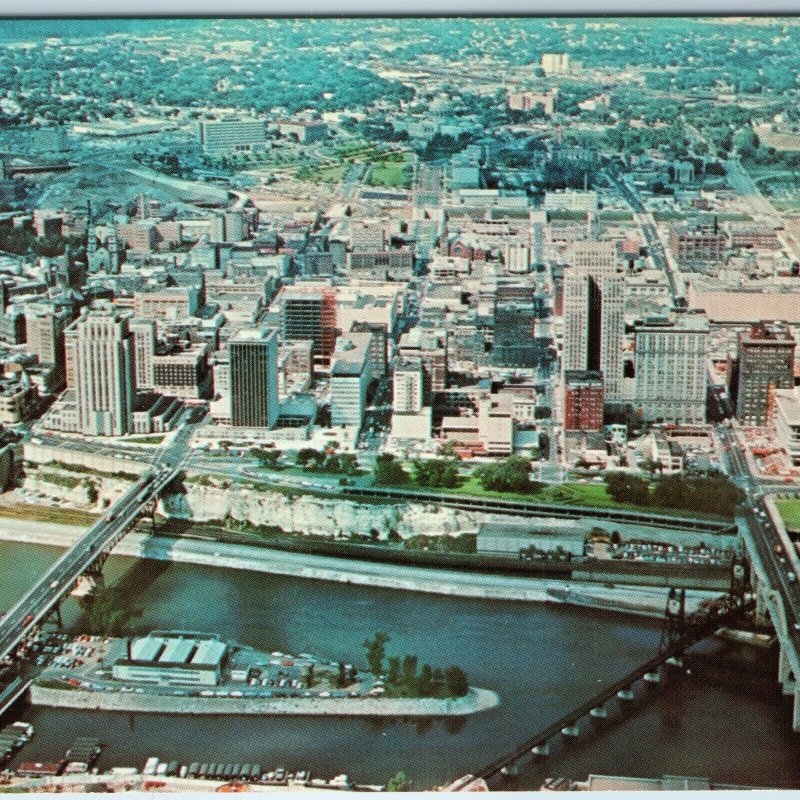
639 600
475 701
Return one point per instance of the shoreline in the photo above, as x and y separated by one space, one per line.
635 600
476 701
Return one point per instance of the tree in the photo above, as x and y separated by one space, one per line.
425 681
456 682
510 475
348 463
625 488
352 674
437 473
409 672
267 457
306 455
309 676
376 650
389 471
341 678
393 671
399 782
109 611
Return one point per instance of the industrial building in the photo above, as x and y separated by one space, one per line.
171 658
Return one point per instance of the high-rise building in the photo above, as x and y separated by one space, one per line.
253 377
144 347
555 63
408 387
765 362
583 401
232 135
45 324
105 373
411 418
670 365
594 322
310 314
351 373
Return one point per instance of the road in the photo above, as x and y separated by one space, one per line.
647 225
741 181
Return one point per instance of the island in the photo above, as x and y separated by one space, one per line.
187 672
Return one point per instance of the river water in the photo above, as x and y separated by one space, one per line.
726 720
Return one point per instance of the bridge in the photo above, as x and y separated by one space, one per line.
680 633
88 553
774 567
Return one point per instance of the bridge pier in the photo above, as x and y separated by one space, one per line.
541 750
785 676
674 662
652 677
600 712
761 613
571 730
511 770
796 711
626 694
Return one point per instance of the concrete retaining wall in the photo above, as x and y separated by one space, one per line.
477 700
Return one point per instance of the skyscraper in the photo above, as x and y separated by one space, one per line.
765 363
310 314
594 322
144 339
105 379
253 376
670 364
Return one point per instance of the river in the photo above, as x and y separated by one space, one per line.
725 722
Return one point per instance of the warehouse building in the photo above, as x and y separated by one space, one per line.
171 658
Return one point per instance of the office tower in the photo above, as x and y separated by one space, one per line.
555 63
351 374
105 379
408 387
144 346
594 322
231 135
310 314
45 324
583 401
670 364
253 376
765 363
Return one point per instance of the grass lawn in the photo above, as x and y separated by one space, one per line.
789 509
56 516
575 494
390 175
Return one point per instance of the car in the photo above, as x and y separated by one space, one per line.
53 584
791 576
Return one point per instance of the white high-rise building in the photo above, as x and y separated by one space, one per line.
555 63
594 321
408 387
105 376
670 364
351 374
